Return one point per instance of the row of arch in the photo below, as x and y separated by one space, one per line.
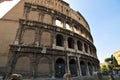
60 22
44 67
49 39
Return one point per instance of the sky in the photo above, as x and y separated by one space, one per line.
103 17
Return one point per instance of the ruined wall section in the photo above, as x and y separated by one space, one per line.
8 31
64 8
9 24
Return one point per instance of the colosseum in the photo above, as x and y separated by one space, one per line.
46 39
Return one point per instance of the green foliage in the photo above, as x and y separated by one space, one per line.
108 79
112 63
104 69
108 59
110 67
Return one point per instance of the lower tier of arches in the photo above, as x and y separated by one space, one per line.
51 64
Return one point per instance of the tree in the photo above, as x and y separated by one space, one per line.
114 61
104 69
108 59
110 67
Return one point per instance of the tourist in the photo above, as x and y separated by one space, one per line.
111 77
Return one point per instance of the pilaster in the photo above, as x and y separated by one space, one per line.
53 66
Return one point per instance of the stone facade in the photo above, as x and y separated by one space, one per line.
46 39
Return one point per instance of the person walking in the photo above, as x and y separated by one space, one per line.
111 77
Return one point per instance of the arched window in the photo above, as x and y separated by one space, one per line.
59 23
68 27
90 50
46 39
28 37
86 48
82 33
79 45
59 40
70 43
76 30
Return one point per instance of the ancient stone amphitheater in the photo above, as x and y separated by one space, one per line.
46 39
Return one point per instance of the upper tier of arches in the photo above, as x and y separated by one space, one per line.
48 16
64 8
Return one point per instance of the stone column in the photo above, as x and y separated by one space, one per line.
64 24
76 47
53 66
11 63
83 47
39 17
88 50
34 66
72 27
26 12
37 39
53 20
42 17
65 43
53 40
68 69
78 63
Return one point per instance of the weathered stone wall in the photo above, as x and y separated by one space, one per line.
63 7
33 35
8 30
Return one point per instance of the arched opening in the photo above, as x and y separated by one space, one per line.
23 66
79 45
59 68
76 29
44 67
59 23
73 67
68 27
91 50
94 68
46 39
28 37
70 43
86 48
83 68
59 40
90 68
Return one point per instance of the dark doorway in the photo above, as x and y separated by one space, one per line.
59 68
73 67
90 69
83 68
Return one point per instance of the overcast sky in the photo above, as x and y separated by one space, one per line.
103 17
